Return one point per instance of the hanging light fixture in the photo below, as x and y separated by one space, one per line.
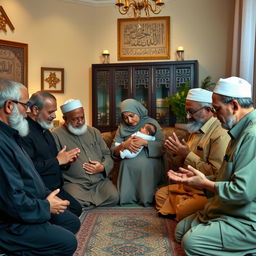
137 6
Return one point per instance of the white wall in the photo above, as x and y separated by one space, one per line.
72 36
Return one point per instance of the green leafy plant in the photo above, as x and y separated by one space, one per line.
177 102
207 84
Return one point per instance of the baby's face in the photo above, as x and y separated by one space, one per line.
143 130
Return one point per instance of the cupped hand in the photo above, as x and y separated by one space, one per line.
93 167
191 177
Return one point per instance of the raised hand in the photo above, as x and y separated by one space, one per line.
177 147
65 157
57 205
93 167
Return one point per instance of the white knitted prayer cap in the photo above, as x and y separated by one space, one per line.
70 105
233 87
200 95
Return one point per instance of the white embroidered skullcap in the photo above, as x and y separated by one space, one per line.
200 95
70 105
233 87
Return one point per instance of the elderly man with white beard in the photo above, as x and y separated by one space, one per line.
87 178
33 220
41 147
227 224
204 150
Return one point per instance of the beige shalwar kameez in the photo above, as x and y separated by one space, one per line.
208 147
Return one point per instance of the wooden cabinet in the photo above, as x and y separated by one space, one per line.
148 82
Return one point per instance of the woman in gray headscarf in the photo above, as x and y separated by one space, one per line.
138 177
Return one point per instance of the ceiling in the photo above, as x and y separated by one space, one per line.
97 2
93 2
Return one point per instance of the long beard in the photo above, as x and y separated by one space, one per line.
228 124
194 125
18 122
77 131
43 124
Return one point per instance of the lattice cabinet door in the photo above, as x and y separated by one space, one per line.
122 90
142 84
184 72
162 88
102 98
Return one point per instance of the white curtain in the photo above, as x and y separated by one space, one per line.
244 54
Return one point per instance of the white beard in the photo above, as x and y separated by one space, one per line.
194 126
77 131
228 124
43 124
18 122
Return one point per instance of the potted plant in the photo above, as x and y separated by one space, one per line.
177 101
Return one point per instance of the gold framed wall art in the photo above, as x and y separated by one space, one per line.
144 38
14 61
52 80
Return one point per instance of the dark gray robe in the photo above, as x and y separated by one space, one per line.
139 177
88 189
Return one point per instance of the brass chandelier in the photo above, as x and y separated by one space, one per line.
137 6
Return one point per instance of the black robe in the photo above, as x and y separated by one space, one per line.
41 147
25 218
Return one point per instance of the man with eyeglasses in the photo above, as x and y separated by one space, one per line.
227 224
31 216
24 104
204 150
87 178
40 146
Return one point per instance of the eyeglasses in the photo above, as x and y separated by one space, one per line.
24 104
215 109
192 112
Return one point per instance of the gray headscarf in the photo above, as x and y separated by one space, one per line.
133 106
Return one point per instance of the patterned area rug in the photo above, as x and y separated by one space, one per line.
128 231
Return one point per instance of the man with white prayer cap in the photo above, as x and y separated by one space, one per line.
227 224
204 150
87 178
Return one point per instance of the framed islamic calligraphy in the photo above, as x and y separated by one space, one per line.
14 61
52 80
144 38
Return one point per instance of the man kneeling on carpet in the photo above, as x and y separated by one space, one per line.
226 226
204 150
86 179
